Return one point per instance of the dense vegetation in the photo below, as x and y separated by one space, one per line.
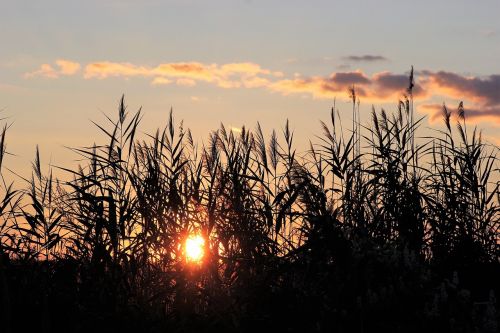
372 229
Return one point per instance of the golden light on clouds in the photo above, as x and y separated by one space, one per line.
65 67
158 81
185 73
481 93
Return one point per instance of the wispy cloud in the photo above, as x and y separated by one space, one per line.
159 81
62 67
365 58
45 70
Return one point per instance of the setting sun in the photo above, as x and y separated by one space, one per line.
194 248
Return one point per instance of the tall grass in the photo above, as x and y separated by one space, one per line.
372 228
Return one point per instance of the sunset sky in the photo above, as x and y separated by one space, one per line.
64 63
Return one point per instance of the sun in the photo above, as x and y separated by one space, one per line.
194 248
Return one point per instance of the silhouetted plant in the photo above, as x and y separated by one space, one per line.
373 228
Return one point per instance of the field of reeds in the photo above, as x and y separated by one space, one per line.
373 229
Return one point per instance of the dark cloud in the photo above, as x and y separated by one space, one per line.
389 83
486 114
486 89
349 78
483 94
380 87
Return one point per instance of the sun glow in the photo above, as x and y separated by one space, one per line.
194 248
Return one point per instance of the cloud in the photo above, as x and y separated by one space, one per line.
256 82
481 93
235 75
321 87
186 82
246 68
103 70
159 81
387 84
231 75
365 58
488 114
380 87
45 70
344 67
65 67
349 78
192 70
314 61
484 90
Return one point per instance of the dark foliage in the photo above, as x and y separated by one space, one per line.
369 231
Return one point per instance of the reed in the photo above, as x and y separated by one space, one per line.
371 228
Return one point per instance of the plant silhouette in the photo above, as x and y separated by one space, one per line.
371 229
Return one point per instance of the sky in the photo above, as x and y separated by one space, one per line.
65 63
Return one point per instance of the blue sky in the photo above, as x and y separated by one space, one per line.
299 48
